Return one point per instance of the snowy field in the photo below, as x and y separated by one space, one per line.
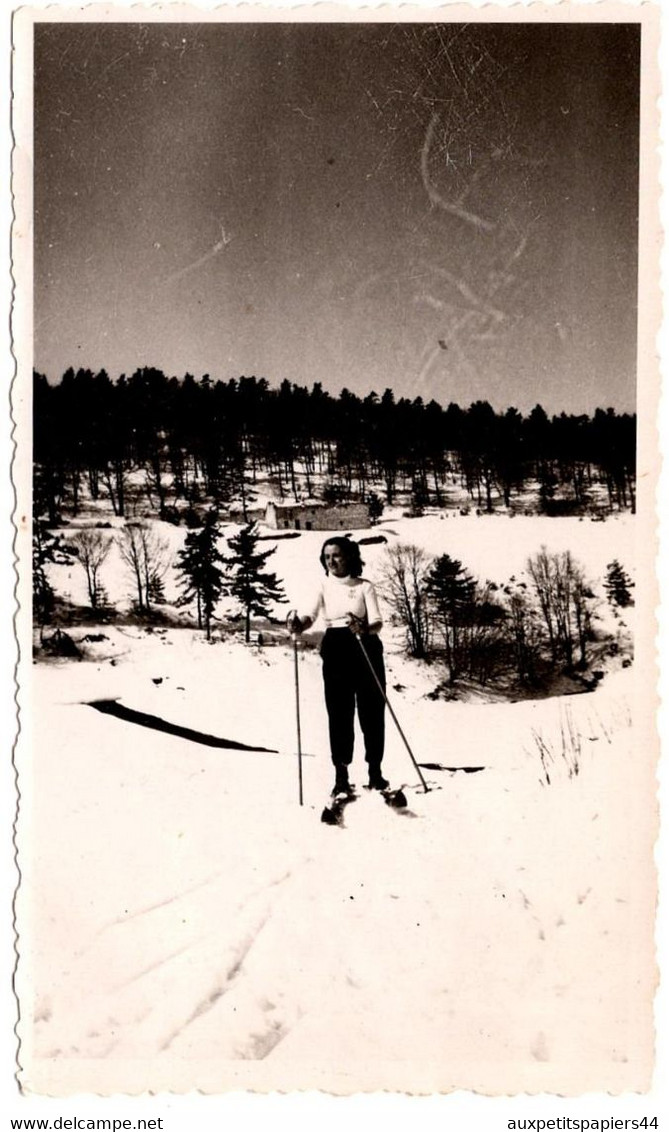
192 926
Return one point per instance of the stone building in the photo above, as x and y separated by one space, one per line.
313 515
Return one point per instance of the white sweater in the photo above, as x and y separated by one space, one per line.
336 598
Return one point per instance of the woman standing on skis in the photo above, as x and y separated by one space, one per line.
349 607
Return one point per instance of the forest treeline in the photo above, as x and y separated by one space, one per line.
195 440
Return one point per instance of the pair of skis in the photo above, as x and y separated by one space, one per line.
333 811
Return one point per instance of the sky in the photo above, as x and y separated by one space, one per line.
448 210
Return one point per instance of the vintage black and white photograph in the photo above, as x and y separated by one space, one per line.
336 549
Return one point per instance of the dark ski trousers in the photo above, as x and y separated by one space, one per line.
349 683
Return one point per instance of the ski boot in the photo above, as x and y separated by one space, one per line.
395 798
342 793
376 780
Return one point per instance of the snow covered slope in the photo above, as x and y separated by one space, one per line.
191 926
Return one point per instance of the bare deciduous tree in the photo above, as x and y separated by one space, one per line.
92 547
540 569
565 601
145 554
403 582
484 632
524 633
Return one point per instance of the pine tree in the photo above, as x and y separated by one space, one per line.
420 497
618 585
198 563
375 507
156 589
47 548
451 591
252 587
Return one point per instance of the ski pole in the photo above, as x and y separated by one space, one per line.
390 709
297 713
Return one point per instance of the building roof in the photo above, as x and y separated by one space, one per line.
299 503
313 503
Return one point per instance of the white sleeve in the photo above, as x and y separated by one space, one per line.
372 605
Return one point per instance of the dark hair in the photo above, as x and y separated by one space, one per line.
349 549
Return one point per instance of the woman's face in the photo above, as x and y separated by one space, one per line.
335 560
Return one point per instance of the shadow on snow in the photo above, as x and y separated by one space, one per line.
113 707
